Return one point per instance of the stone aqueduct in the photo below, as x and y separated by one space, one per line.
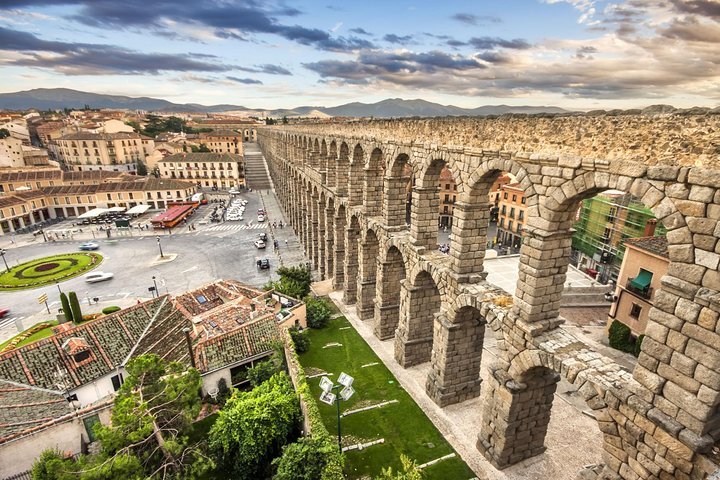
344 188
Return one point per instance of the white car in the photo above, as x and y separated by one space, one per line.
259 244
261 218
98 277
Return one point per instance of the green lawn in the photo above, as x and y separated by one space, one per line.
403 425
48 270
44 333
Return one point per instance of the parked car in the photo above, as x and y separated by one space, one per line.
89 246
259 244
263 237
261 218
4 312
263 264
98 277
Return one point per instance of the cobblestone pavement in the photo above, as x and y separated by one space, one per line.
573 439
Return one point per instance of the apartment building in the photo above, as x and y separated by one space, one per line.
118 152
223 141
511 215
221 170
645 262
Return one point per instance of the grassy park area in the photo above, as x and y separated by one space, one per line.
48 270
402 425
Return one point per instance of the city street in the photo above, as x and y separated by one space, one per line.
213 251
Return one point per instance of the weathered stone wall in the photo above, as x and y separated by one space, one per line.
658 422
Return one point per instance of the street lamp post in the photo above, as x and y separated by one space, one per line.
160 247
155 284
2 253
344 386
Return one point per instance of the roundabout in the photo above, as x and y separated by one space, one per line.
48 270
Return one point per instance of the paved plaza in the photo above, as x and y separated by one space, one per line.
213 251
503 272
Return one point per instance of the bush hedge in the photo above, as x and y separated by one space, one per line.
332 459
109 310
318 312
621 338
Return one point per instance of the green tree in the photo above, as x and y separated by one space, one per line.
203 148
300 340
4 133
410 471
141 168
285 120
252 428
75 307
318 312
304 460
135 125
152 418
261 372
294 281
66 307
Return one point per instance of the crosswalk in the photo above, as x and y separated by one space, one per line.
9 321
229 228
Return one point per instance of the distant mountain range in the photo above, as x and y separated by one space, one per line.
59 98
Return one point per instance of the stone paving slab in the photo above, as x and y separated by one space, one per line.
573 439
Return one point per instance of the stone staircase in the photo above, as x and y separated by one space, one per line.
256 175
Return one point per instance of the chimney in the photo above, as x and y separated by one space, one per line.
650 227
189 346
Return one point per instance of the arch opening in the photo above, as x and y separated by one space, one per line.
420 302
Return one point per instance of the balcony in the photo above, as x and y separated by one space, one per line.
640 285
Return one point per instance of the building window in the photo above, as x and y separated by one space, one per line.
514 198
510 225
504 210
109 196
447 186
505 195
502 222
635 311
521 215
522 200
117 381
512 212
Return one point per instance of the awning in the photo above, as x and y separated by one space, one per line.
95 212
138 209
643 279
116 209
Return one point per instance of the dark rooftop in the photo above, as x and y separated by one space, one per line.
655 245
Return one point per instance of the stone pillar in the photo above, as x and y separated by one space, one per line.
544 259
366 279
424 216
414 335
355 184
395 201
322 239
515 417
351 266
391 275
469 238
339 251
455 363
316 239
329 242
373 192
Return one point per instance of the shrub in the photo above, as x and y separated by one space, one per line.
75 307
48 465
410 471
109 310
318 312
66 307
223 391
305 459
261 372
619 337
301 341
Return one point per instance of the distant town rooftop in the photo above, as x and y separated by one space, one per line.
655 245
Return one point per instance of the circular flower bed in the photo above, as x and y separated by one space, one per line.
48 270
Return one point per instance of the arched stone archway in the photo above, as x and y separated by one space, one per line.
356 177
339 223
395 199
343 170
373 190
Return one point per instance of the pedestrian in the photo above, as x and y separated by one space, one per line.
286 242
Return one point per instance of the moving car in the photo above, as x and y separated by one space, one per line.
261 218
89 246
4 312
263 237
98 277
259 244
263 264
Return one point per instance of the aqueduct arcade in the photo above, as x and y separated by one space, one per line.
344 187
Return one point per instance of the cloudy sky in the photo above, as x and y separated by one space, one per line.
580 54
